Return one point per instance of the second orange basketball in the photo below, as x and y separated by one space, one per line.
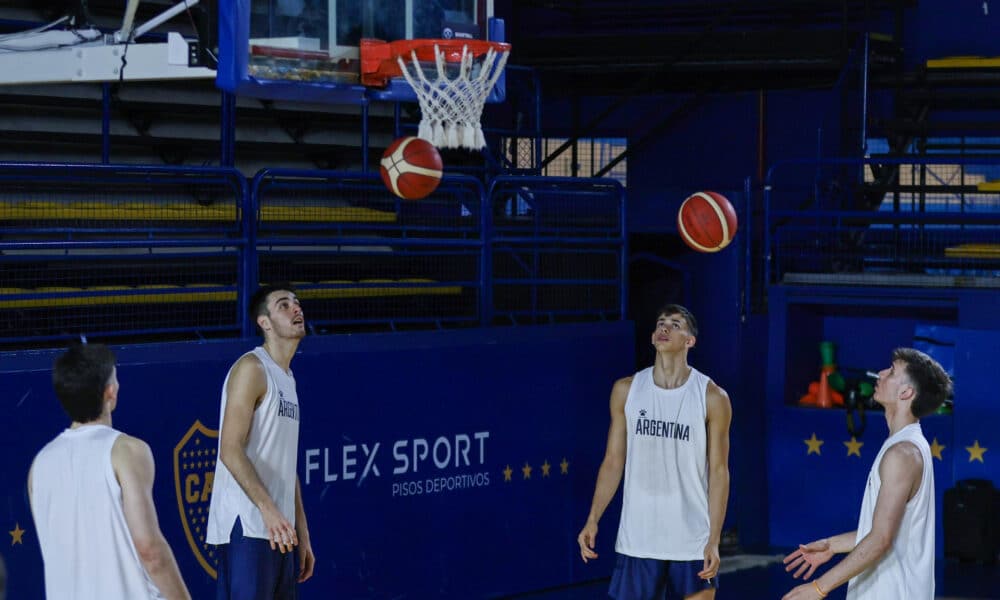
706 221
411 168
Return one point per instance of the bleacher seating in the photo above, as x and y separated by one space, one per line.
145 253
918 232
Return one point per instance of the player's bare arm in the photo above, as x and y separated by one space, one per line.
247 386
612 467
30 469
307 561
719 416
900 470
134 467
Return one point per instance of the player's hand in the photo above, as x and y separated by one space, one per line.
807 558
587 539
280 533
712 562
806 591
306 561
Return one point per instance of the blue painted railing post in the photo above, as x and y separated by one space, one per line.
248 270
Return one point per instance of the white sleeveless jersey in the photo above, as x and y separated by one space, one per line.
665 497
906 572
77 506
272 449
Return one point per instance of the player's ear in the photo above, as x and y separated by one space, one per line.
264 323
691 341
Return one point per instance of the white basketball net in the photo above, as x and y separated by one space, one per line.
452 108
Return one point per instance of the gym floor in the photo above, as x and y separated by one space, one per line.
762 577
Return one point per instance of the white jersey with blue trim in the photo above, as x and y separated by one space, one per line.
272 449
907 569
665 495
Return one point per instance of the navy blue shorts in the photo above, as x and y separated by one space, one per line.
250 570
654 579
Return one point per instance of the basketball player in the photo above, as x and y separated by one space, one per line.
91 494
892 551
669 434
256 515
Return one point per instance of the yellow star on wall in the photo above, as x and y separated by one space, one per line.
976 452
545 468
507 472
854 447
936 449
813 444
526 470
16 534
564 466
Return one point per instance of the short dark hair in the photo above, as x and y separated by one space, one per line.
929 379
79 376
677 309
258 302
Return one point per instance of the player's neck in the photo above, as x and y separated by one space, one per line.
104 419
670 371
898 417
281 351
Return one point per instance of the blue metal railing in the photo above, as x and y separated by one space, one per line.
559 248
137 252
820 220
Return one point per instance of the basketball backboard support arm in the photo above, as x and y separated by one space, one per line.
110 57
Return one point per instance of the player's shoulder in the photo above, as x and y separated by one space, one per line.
130 445
129 453
904 455
619 393
250 360
622 385
904 450
248 367
715 391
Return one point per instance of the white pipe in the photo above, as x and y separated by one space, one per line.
164 16
124 33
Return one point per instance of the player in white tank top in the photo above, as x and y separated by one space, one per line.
891 557
669 436
256 476
91 495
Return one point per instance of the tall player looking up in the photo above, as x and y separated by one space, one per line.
669 434
256 515
891 553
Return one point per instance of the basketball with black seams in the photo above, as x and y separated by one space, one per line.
706 221
411 168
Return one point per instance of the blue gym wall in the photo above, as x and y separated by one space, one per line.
395 527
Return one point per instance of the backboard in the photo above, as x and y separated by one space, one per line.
309 49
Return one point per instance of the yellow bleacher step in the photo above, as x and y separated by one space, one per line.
32 210
63 296
973 251
964 62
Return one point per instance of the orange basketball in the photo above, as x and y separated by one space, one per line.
706 221
411 168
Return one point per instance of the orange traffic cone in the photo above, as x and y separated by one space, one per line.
823 398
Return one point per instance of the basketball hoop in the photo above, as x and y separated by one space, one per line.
451 79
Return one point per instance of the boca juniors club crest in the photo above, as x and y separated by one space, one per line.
194 470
